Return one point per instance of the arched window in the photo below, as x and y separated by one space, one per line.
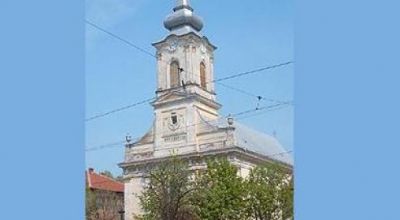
174 74
203 82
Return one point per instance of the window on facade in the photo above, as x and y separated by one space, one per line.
174 74
203 83
174 119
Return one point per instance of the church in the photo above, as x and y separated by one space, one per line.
186 119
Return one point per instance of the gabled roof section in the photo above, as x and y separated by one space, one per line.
146 139
174 95
100 182
177 96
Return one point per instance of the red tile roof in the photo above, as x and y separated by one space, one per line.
98 181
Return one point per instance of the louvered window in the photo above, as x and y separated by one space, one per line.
174 74
203 82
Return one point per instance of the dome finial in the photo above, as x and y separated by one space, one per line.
182 20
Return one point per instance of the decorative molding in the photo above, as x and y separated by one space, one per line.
189 36
175 138
240 153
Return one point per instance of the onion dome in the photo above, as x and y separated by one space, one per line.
183 19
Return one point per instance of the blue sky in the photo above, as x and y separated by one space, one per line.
249 35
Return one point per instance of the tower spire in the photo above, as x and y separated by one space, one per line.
182 20
182 4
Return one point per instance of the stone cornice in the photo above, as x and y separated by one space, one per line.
256 158
192 96
192 35
179 89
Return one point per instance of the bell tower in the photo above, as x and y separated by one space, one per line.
185 88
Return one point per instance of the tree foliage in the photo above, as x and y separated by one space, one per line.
287 199
221 192
175 192
167 195
269 193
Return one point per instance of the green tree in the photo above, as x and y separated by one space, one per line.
217 193
286 199
270 193
220 193
90 203
167 196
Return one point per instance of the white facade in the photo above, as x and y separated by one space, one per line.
186 116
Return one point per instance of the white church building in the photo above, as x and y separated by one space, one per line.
186 120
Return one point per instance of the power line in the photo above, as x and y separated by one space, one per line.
259 109
119 109
261 112
121 39
239 90
217 81
253 71
248 93
113 144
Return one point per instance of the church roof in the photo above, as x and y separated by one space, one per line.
257 142
261 143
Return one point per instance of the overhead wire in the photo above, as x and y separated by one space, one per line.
120 38
103 146
248 93
217 81
120 109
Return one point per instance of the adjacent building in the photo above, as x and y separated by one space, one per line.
104 196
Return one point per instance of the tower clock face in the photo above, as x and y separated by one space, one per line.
173 45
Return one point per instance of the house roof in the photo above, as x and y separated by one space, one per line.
100 182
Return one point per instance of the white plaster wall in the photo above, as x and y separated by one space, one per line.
133 188
190 52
